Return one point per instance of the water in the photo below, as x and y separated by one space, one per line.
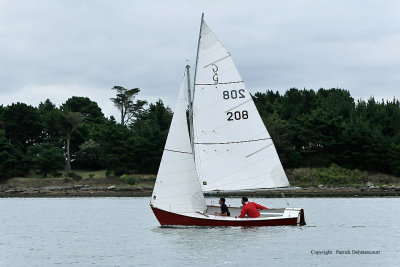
124 232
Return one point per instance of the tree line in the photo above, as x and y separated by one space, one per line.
317 128
51 140
310 129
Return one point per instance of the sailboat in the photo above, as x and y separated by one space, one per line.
225 148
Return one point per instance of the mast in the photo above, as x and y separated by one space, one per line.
190 104
197 54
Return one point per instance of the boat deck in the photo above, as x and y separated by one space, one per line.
235 211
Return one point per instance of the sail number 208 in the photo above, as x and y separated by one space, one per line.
237 115
233 94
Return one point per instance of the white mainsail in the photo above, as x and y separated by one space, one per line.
233 149
177 188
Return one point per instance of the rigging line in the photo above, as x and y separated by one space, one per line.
217 60
217 83
170 150
259 150
176 172
161 184
174 196
239 105
283 196
214 50
232 148
176 160
234 142
227 176
266 174
216 102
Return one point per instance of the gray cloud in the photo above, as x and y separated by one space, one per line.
54 49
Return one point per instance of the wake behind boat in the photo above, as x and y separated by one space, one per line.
228 147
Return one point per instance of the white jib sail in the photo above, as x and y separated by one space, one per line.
233 149
177 188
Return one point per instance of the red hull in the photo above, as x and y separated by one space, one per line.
170 219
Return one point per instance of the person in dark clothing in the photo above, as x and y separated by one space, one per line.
224 208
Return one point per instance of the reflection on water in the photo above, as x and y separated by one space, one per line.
123 231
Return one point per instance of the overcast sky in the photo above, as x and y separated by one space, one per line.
58 49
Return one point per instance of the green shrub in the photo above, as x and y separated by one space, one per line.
76 177
56 174
128 179
334 175
120 171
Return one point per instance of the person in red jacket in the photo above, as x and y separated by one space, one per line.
250 209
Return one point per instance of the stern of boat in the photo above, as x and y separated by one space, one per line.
295 212
302 218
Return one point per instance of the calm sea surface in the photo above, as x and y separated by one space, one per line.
124 232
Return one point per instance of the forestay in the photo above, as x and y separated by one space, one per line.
177 188
233 149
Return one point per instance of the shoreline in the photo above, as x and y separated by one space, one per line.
112 191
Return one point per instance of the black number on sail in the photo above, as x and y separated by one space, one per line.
226 94
237 115
245 114
230 115
233 94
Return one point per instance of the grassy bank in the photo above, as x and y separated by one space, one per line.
82 177
335 176
314 182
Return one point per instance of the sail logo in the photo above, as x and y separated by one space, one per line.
215 76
